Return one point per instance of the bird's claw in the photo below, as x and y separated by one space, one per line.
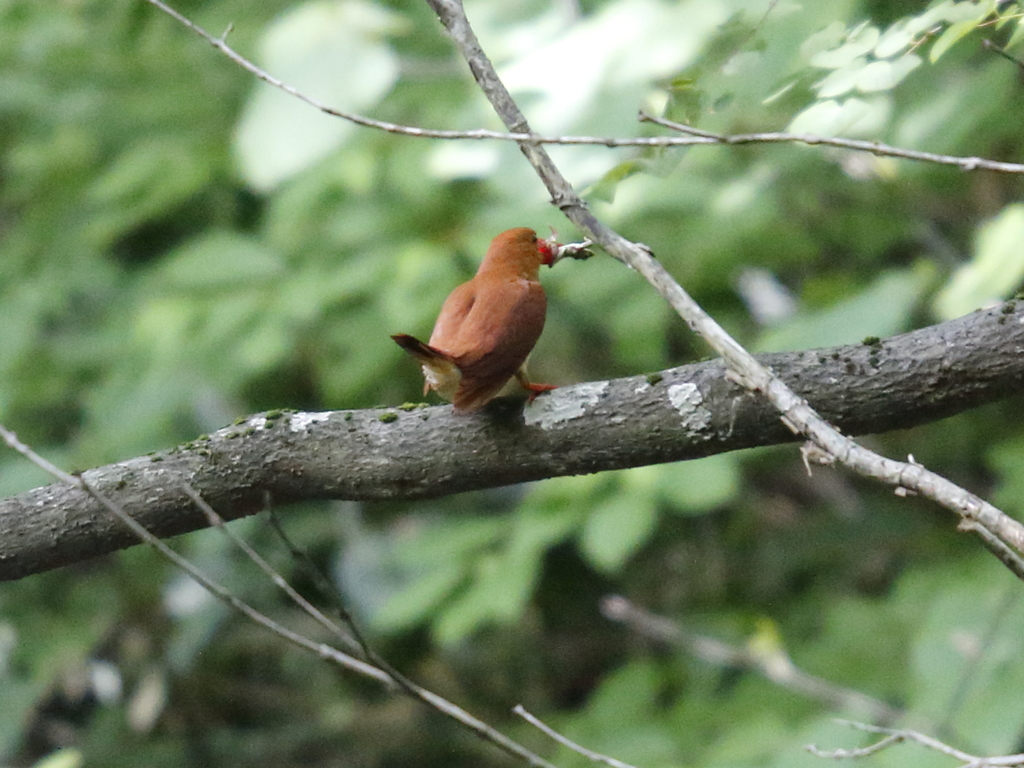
536 389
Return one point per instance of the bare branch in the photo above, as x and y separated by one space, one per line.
896 736
773 664
695 138
556 736
408 453
989 45
279 581
874 147
402 683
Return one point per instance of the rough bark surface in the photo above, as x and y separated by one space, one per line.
678 414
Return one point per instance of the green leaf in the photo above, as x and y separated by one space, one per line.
539 527
858 44
949 38
62 758
429 565
965 660
975 14
440 542
1006 459
498 590
420 599
604 188
882 309
1018 34
621 524
330 51
884 75
995 270
833 118
898 37
699 486
842 80
823 41
502 581
218 260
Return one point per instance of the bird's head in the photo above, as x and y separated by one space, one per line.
519 251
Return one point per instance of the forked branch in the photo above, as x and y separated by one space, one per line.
893 736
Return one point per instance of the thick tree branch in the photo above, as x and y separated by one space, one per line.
683 413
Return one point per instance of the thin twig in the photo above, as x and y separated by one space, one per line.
898 735
973 662
839 754
359 639
874 147
775 666
388 676
556 736
279 581
988 44
696 137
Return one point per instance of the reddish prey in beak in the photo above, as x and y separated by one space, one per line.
488 325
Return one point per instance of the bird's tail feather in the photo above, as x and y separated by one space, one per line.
422 352
439 370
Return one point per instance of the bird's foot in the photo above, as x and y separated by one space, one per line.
536 389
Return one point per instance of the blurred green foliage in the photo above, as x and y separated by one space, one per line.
180 245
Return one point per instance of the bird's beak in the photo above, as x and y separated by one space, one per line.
549 249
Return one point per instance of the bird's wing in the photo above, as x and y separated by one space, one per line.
495 337
456 308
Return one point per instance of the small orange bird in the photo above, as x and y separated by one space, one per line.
488 325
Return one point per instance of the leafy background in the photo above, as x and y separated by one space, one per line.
180 246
